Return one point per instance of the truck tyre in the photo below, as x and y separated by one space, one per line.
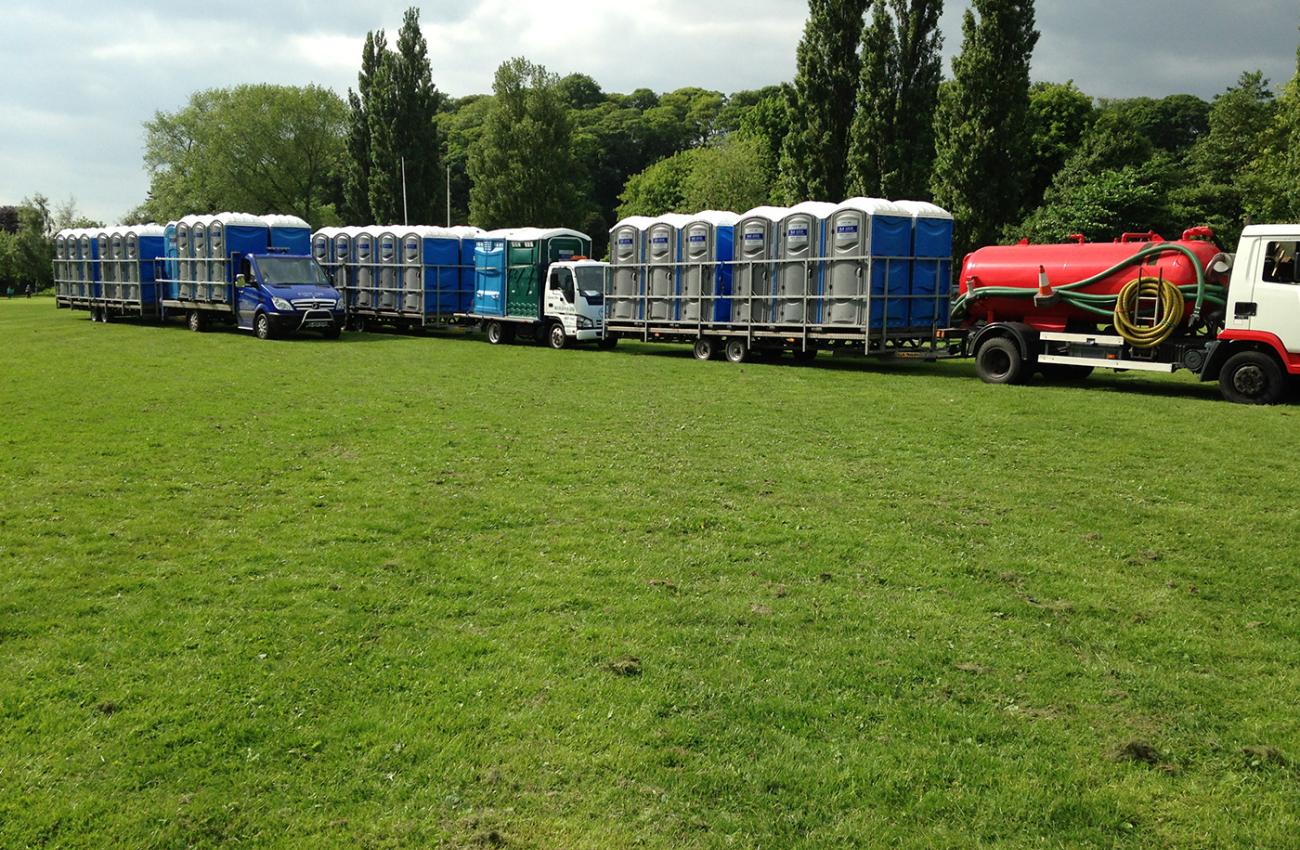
196 322
496 333
999 362
262 326
737 351
1064 371
556 337
1252 377
703 349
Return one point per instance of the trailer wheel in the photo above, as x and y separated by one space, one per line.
1252 377
496 333
196 322
556 337
262 327
703 349
737 351
999 362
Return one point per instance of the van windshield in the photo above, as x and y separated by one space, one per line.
591 283
291 271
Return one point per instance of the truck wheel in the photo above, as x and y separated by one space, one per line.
999 362
556 337
737 351
262 327
196 322
1252 377
496 333
1064 371
703 349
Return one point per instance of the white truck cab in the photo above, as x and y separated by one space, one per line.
1264 295
573 304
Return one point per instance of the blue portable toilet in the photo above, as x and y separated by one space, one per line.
289 233
442 277
490 256
627 241
875 234
231 233
468 235
171 269
146 244
932 236
708 242
800 266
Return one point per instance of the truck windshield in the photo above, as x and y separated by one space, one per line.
591 283
291 271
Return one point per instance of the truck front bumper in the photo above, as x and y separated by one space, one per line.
306 320
588 335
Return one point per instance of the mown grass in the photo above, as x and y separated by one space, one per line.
392 591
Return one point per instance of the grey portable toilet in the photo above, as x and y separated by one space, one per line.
801 250
107 268
217 253
663 261
343 259
86 280
706 242
184 253
365 277
412 260
627 267
199 250
60 263
757 233
389 258
870 239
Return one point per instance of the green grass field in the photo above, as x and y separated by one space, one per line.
395 592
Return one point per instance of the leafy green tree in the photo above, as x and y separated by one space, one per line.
1103 204
815 152
1273 190
460 126
1059 117
256 148
404 144
891 150
768 123
982 123
726 176
522 167
581 91
356 185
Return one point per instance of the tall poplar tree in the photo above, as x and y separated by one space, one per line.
522 166
400 113
891 151
356 183
981 124
815 153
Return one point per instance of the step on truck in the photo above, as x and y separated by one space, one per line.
253 272
538 284
1138 304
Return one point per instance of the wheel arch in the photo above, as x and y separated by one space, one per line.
1234 342
1025 338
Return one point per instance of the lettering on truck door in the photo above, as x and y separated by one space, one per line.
1276 298
559 297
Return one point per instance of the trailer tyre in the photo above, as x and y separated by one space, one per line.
737 351
1252 377
703 349
496 333
262 327
556 337
999 362
195 321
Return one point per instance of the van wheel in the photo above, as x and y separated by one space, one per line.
737 351
262 327
496 333
196 322
1252 377
703 349
556 337
999 362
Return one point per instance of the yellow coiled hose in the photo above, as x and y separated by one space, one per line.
1172 307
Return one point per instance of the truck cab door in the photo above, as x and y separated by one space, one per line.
247 296
560 294
1274 305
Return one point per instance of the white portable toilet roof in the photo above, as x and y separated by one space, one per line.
673 219
718 218
432 231
874 206
526 234
150 229
327 232
278 220
923 209
817 209
640 222
235 219
769 213
466 231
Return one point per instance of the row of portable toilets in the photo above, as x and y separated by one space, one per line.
406 270
187 259
866 262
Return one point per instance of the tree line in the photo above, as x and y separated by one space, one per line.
868 112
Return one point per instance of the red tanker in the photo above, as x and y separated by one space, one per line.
1021 267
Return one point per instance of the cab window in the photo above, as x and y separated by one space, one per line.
1279 263
562 282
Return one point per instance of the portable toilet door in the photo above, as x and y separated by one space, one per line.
365 277
130 282
440 258
184 262
706 280
343 259
203 280
627 265
218 250
60 264
150 242
799 272
871 240
322 247
107 271
412 260
524 274
751 289
490 274
663 256
389 282
86 279
121 269
242 234
931 278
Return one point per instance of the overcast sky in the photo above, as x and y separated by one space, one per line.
78 79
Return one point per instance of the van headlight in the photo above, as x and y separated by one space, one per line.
281 304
